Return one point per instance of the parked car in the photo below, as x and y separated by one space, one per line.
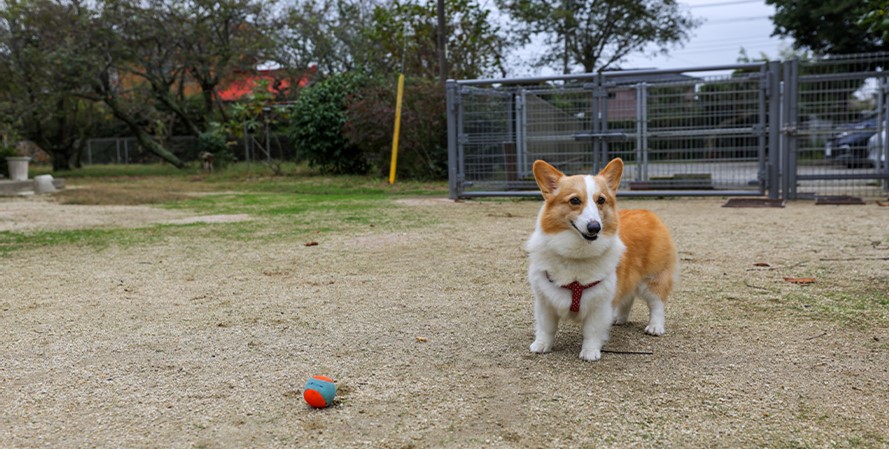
850 147
876 157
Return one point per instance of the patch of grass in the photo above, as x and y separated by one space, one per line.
293 207
96 238
100 238
115 170
863 306
120 194
162 184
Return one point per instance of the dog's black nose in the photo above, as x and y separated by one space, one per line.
593 227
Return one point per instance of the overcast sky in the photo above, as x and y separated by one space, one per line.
728 25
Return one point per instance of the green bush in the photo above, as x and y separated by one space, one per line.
422 142
214 141
6 152
316 127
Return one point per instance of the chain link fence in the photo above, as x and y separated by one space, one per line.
126 150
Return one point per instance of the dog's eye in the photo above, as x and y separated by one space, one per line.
601 200
575 201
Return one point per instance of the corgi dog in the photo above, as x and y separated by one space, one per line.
588 261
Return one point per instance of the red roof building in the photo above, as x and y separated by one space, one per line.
279 83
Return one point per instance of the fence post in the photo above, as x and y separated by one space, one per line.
603 105
788 132
774 89
642 132
246 144
882 153
521 145
453 187
598 101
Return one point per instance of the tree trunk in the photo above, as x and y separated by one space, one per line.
142 137
61 159
149 144
565 70
179 112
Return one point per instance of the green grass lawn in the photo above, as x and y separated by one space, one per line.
296 205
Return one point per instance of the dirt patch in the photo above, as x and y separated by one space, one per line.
231 218
44 214
206 343
425 202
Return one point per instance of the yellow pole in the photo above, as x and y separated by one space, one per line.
397 128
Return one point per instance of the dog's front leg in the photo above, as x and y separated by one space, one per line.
595 331
546 322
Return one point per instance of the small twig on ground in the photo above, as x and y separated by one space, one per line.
816 336
628 352
754 286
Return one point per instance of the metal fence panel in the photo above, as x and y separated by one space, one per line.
703 133
677 133
836 128
487 141
792 129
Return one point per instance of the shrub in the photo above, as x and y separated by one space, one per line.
316 127
5 152
214 141
422 143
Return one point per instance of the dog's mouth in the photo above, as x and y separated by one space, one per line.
588 237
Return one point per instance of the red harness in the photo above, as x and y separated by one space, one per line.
576 292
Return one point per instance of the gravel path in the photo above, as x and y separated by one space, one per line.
195 342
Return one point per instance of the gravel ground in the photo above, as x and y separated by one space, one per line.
195 342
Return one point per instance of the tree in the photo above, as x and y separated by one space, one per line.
102 66
832 26
330 34
408 30
38 81
342 35
223 37
876 19
598 34
155 32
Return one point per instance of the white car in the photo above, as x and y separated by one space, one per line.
874 152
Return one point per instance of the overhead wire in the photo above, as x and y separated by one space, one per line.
727 3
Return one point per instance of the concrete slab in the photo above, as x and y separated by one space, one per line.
14 188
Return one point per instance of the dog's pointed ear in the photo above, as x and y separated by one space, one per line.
547 178
612 173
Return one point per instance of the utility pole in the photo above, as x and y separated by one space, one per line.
442 56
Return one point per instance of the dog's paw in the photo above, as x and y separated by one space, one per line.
656 329
619 321
590 355
540 347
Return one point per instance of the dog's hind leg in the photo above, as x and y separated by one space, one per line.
655 293
622 311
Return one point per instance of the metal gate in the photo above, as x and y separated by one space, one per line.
679 132
835 127
775 128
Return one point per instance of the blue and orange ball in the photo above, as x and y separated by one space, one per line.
319 391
